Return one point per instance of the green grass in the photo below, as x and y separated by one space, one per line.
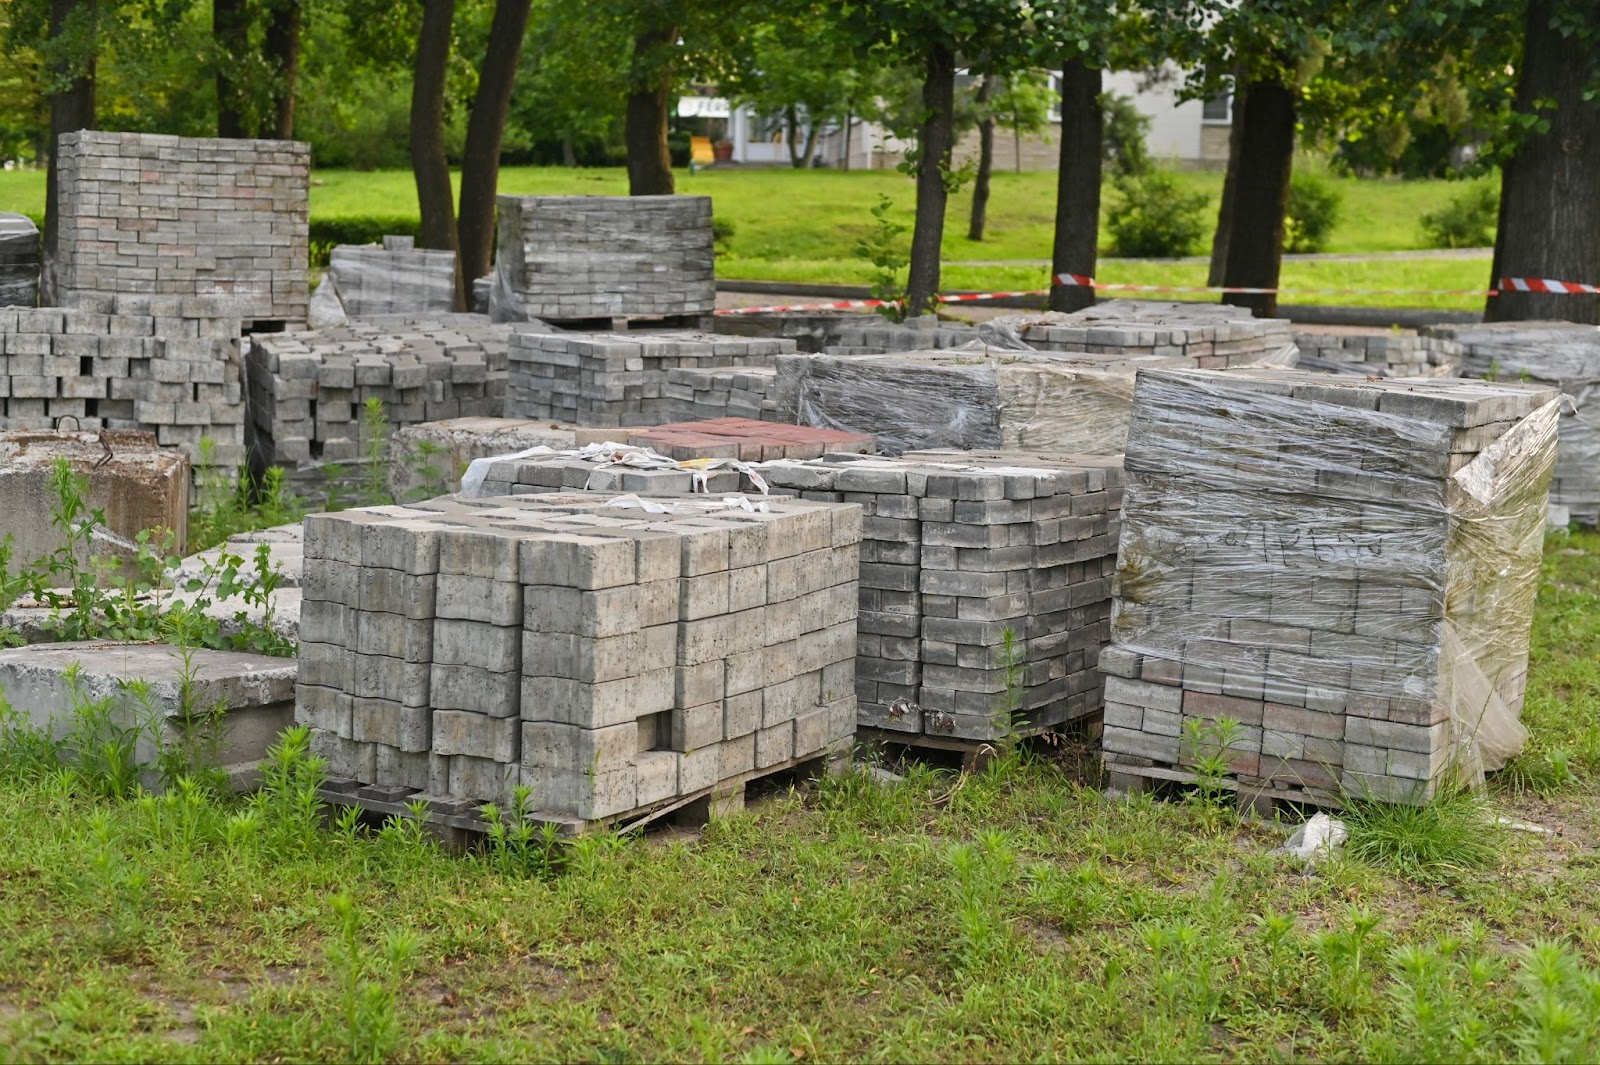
1014 915
803 225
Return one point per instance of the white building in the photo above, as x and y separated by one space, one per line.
1189 133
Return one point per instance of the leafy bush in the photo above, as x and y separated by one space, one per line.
1155 218
1467 221
1123 139
1313 212
722 230
678 148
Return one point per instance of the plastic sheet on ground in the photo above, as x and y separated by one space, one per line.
609 454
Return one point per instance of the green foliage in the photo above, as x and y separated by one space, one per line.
514 847
1469 220
1205 751
1313 211
1436 841
229 504
1155 218
368 983
375 429
1125 128
882 247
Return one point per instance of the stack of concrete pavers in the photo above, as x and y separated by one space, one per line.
705 394
1563 355
1378 354
165 364
985 585
965 399
1209 336
428 459
396 277
608 656
1345 569
184 216
19 261
308 389
582 257
604 467
748 440
619 379
874 336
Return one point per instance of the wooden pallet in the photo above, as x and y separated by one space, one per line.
975 753
458 824
623 323
1263 800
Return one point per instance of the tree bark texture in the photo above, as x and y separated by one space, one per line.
283 48
70 111
933 161
230 30
429 166
1219 243
1077 239
791 135
645 126
980 187
486 127
1549 224
1261 196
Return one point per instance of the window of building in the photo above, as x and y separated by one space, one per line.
1219 108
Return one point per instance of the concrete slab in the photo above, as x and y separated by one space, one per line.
137 484
257 691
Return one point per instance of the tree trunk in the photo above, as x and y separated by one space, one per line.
980 187
480 161
428 163
645 128
811 143
1219 243
1077 241
1016 142
791 135
569 157
71 109
849 122
230 30
283 48
933 161
1261 188
1549 224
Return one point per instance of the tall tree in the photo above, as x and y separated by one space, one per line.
480 162
991 37
980 184
70 55
282 46
230 26
1077 230
1549 224
429 165
649 103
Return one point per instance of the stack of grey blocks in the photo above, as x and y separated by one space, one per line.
581 257
608 658
1343 568
985 584
701 395
1378 354
308 389
396 277
165 364
873 335
567 471
1208 336
1565 356
622 379
19 261
184 216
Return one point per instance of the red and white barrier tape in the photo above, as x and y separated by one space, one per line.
1507 284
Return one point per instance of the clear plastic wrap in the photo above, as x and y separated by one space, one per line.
1564 355
393 278
965 398
1345 568
19 261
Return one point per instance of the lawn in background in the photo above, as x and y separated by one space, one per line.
803 226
